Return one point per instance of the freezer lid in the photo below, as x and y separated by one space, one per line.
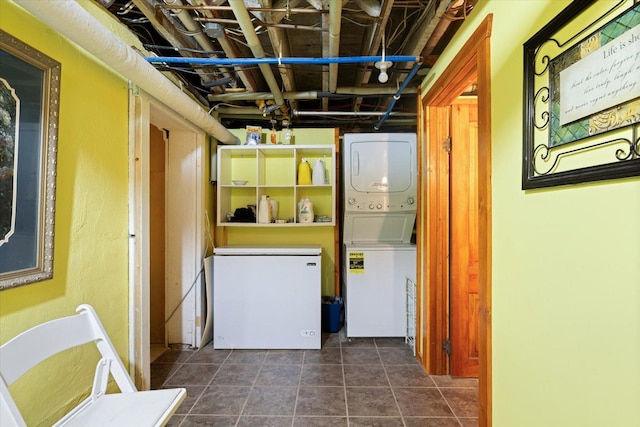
300 250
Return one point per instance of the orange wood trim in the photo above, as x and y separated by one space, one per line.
420 236
472 63
436 242
485 232
461 71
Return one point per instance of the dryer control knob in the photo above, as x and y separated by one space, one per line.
379 206
352 201
410 200
371 206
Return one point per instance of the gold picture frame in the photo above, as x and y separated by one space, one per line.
29 105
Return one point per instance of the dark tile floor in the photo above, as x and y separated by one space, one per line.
359 382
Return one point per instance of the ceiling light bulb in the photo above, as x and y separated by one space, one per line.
383 66
383 77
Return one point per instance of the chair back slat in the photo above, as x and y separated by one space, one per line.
31 347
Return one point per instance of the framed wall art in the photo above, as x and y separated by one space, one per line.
582 96
29 98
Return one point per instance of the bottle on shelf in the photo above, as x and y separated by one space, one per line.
305 210
304 172
319 173
264 210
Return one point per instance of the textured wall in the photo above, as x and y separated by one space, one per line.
91 252
566 276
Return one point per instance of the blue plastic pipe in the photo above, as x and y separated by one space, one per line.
412 73
231 62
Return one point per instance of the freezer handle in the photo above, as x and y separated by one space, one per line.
311 264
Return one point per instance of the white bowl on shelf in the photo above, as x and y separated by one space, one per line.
239 182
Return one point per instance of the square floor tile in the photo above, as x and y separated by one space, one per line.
431 422
209 421
360 355
463 401
271 401
160 372
279 375
208 355
321 401
426 402
322 375
371 401
262 421
408 376
193 394
447 381
397 356
365 375
319 422
254 357
327 355
284 357
375 422
221 401
236 375
193 374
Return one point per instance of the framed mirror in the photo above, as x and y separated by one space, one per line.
29 99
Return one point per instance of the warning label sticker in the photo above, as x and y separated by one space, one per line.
356 262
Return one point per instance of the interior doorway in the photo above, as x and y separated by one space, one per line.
157 236
167 156
471 65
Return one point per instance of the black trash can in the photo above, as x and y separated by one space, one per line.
332 314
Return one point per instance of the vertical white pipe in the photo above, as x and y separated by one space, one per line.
242 15
72 21
335 20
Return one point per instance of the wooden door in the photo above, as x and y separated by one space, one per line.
464 301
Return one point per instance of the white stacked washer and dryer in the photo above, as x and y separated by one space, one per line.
379 190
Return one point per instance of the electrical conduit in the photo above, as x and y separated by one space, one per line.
413 72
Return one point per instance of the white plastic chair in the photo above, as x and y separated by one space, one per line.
127 408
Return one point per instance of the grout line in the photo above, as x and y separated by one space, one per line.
295 402
447 402
344 383
386 374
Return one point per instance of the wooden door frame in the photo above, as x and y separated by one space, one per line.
144 112
471 64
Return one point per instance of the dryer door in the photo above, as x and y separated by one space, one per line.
380 163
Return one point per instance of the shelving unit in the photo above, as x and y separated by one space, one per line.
272 170
410 338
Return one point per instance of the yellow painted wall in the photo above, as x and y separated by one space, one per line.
322 236
566 270
91 244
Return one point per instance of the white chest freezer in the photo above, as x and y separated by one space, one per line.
267 297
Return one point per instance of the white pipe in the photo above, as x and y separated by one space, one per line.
72 21
241 14
313 94
335 20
